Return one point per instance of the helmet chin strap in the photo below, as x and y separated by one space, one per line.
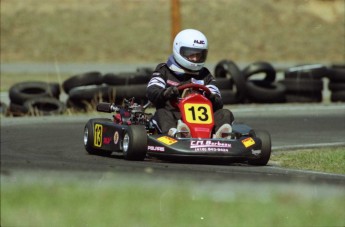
174 66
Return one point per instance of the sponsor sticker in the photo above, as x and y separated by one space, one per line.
106 140
98 131
155 148
208 143
248 142
256 152
116 137
209 146
167 140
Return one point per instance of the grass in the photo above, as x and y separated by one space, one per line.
139 31
329 160
115 200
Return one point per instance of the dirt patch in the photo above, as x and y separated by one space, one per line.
139 31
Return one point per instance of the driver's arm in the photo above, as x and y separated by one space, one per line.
155 89
215 98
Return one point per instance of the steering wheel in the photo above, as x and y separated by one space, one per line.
193 87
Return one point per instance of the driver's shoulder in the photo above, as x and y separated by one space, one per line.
205 72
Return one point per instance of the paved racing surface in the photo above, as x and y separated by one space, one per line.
56 143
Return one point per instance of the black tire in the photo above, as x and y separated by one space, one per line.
126 78
302 85
262 91
135 143
336 86
221 69
311 71
228 69
55 90
21 92
223 83
338 96
266 148
259 68
337 74
113 94
89 138
88 93
90 78
228 97
77 105
45 106
17 110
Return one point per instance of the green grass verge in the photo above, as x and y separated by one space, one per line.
324 159
144 201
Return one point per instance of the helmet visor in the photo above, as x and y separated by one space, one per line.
194 55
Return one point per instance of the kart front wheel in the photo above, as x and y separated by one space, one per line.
89 139
135 143
265 155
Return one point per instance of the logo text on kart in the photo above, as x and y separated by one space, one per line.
208 143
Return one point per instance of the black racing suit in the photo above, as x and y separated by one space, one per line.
166 115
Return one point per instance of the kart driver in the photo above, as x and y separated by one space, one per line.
185 65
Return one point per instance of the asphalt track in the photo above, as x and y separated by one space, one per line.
55 144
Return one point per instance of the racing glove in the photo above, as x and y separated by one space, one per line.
211 97
170 92
216 101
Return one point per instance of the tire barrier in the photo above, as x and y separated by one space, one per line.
17 110
258 68
304 83
89 78
311 72
44 106
22 94
256 83
231 76
337 83
126 78
80 97
265 89
262 91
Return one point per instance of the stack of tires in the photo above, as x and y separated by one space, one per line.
230 81
304 83
35 98
261 85
337 83
254 84
87 89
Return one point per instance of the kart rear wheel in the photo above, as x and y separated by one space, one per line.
135 143
265 155
89 138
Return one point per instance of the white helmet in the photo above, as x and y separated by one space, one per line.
190 49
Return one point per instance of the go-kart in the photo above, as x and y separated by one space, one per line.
131 133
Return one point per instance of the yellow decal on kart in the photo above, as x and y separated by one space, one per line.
198 113
167 140
97 136
248 142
